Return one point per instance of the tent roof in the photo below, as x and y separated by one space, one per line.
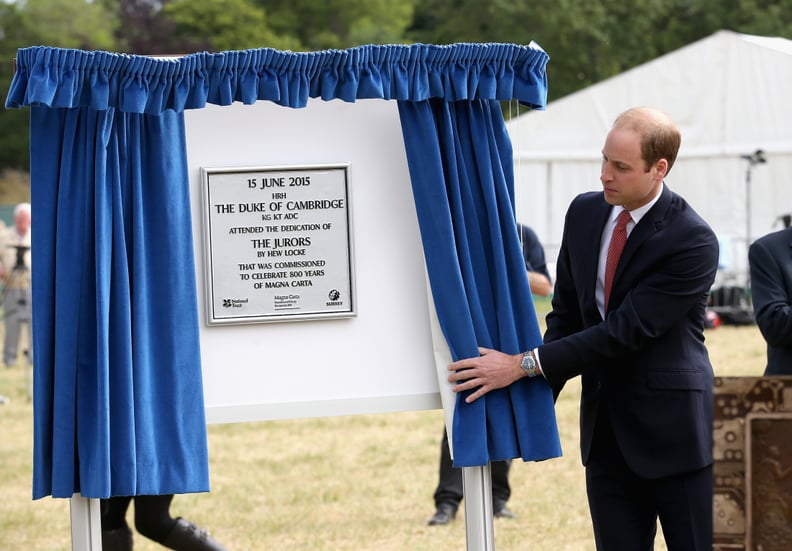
728 92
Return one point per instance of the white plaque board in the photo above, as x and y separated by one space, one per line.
382 358
277 243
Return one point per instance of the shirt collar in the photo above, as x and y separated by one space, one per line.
638 213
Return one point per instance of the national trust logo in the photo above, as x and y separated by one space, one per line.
234 302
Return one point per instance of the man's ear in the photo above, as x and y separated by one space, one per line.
661 167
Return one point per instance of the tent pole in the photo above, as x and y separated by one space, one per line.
748 206
755 158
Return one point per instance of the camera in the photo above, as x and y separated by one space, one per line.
755 158
20 256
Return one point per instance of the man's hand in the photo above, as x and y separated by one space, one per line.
490 370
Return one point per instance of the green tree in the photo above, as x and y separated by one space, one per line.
320 25
14 123
225 24
587 40
590 40
760 17
68 24
58 23
144 30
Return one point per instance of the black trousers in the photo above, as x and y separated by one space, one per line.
449 488
152 515
625 507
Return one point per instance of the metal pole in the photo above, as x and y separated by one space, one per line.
753 159
86 524
748 206
477 490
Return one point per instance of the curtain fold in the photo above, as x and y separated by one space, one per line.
118 403
460 162
66 78
117 381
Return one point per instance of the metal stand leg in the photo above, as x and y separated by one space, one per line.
86 524
477 484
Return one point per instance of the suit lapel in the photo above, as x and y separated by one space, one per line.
651 223
599 217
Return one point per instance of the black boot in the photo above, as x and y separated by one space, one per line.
119 539
186 536
444 514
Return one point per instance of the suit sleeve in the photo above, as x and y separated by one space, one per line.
770 296
566 317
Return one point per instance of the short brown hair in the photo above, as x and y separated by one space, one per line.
660 136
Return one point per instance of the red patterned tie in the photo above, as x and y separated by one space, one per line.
615 248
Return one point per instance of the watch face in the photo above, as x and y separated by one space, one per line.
529 364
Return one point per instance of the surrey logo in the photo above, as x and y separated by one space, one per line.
334 295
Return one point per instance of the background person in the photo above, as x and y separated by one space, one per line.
449 492
15 276
647 382
152 520
535 262
770 261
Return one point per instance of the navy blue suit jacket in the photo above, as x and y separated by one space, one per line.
646 362
770 258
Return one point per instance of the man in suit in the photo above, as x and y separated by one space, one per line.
770 259
646 398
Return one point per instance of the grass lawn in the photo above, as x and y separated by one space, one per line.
344 483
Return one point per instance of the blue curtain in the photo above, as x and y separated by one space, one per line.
460 161
118 406
117 381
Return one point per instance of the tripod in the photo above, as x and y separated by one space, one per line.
17 309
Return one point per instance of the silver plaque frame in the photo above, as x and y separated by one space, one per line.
277 243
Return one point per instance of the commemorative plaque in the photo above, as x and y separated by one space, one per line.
278 243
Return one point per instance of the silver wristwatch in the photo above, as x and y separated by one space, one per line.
528 364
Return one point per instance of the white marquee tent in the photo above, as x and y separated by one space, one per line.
729 93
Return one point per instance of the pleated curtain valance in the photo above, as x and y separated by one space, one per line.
66 78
